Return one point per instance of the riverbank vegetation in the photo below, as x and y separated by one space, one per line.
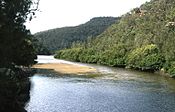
142 39
60 38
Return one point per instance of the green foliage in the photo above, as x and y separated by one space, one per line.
87 55
40 48
142 39
146 57
170 68
16 47
114 56
69 54
61 38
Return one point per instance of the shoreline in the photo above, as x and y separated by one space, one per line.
65 68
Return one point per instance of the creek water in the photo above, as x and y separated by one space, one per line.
116 90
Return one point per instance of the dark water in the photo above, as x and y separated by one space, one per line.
117 90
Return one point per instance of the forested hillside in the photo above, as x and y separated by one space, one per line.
143 39
61 38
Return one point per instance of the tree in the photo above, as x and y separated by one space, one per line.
16 46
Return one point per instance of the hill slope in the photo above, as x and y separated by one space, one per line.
61 38
143 39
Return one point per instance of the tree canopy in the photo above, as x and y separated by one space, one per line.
16 47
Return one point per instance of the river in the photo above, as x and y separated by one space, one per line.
116 90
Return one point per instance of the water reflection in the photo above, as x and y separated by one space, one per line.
14 90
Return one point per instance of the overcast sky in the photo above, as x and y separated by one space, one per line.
60 13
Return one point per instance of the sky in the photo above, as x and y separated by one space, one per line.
62 13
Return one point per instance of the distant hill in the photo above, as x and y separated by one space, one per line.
60 38
144 39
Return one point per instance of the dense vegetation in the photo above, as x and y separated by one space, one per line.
40 48
143 39
16 47
61 38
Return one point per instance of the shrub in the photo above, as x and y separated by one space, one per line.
146 58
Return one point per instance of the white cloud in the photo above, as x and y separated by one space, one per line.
60 13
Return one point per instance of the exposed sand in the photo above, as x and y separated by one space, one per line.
67 68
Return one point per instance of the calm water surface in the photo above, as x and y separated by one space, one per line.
117 90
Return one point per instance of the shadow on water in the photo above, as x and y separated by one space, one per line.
52 73
14 90
137 80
